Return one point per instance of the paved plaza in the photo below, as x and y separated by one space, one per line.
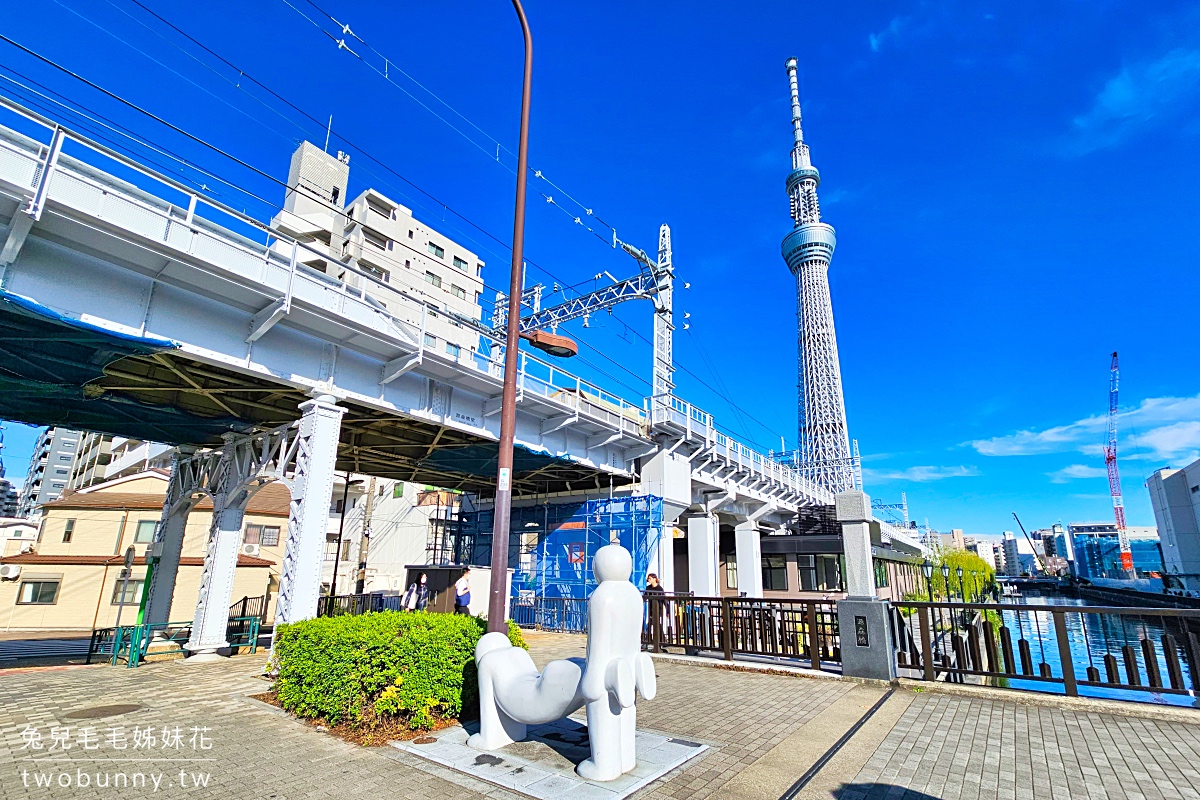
176 724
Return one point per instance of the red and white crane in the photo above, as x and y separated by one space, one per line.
1114 477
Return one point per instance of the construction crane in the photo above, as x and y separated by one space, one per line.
1114 477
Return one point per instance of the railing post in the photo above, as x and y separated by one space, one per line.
727 628
814 636
656 609
1064 653
926 644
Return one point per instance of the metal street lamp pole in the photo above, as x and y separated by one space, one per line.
341 528
508 402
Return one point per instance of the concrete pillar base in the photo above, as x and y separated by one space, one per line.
866 639
205 656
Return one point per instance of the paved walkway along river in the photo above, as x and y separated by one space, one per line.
766 732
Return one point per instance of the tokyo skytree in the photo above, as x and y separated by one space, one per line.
824 452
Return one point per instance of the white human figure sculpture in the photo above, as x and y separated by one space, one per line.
615 667
513 695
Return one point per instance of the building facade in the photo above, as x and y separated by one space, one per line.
101 457
376 245
49 468
1097 551
1175 496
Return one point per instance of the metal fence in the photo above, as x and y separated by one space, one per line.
336 605
133 644
562 614
1005 644
799 629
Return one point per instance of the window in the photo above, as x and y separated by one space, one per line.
731 574
337 192
375 240
410 234
881 572
820 573
64 457
145 531
60 470
461 264
68 531
452 350
337 506
397 489
774 573
434 279
458 292
127 593
265 535
440 252
430 340
38 593
379 208
375 272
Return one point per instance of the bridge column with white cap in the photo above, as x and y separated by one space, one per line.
308 518
748 544
704 536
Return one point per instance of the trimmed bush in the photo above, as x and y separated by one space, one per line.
380 669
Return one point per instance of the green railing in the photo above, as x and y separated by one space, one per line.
132 644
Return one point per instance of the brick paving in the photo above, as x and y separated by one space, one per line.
945 747
955 748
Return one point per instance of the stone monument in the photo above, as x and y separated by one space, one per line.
514 695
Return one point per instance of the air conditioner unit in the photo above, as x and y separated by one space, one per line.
250 550
10 571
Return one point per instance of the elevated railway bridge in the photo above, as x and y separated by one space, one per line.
135 305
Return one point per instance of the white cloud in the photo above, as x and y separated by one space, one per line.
1160 428
920 474
1137 98
892 30
1075 471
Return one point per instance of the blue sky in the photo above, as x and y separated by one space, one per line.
1013 187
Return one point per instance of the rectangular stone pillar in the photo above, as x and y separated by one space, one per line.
748 542
866 640
312 489
216 584
704 538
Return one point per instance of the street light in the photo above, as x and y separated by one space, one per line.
508 398
961 592
341 527
927 569
946 579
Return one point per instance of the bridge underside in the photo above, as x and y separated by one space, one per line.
89 378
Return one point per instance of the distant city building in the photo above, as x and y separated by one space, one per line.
1175 496
984 548
9 499
954 540
1098 551
102 458
49 468
1012 556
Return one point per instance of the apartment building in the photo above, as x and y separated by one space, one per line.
101 457
49 468
375 245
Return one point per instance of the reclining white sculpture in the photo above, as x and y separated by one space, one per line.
513 695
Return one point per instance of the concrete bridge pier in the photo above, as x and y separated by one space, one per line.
216 584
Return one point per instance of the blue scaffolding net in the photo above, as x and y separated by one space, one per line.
551 546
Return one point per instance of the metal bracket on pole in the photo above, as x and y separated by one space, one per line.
38 203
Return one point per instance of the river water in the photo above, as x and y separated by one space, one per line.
1091 636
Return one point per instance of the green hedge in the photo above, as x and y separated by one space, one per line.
413 668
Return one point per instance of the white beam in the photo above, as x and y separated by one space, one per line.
264 320
398 366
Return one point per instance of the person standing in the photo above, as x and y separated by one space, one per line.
656 608
462 592
417 596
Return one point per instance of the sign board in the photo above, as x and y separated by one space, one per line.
860 632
